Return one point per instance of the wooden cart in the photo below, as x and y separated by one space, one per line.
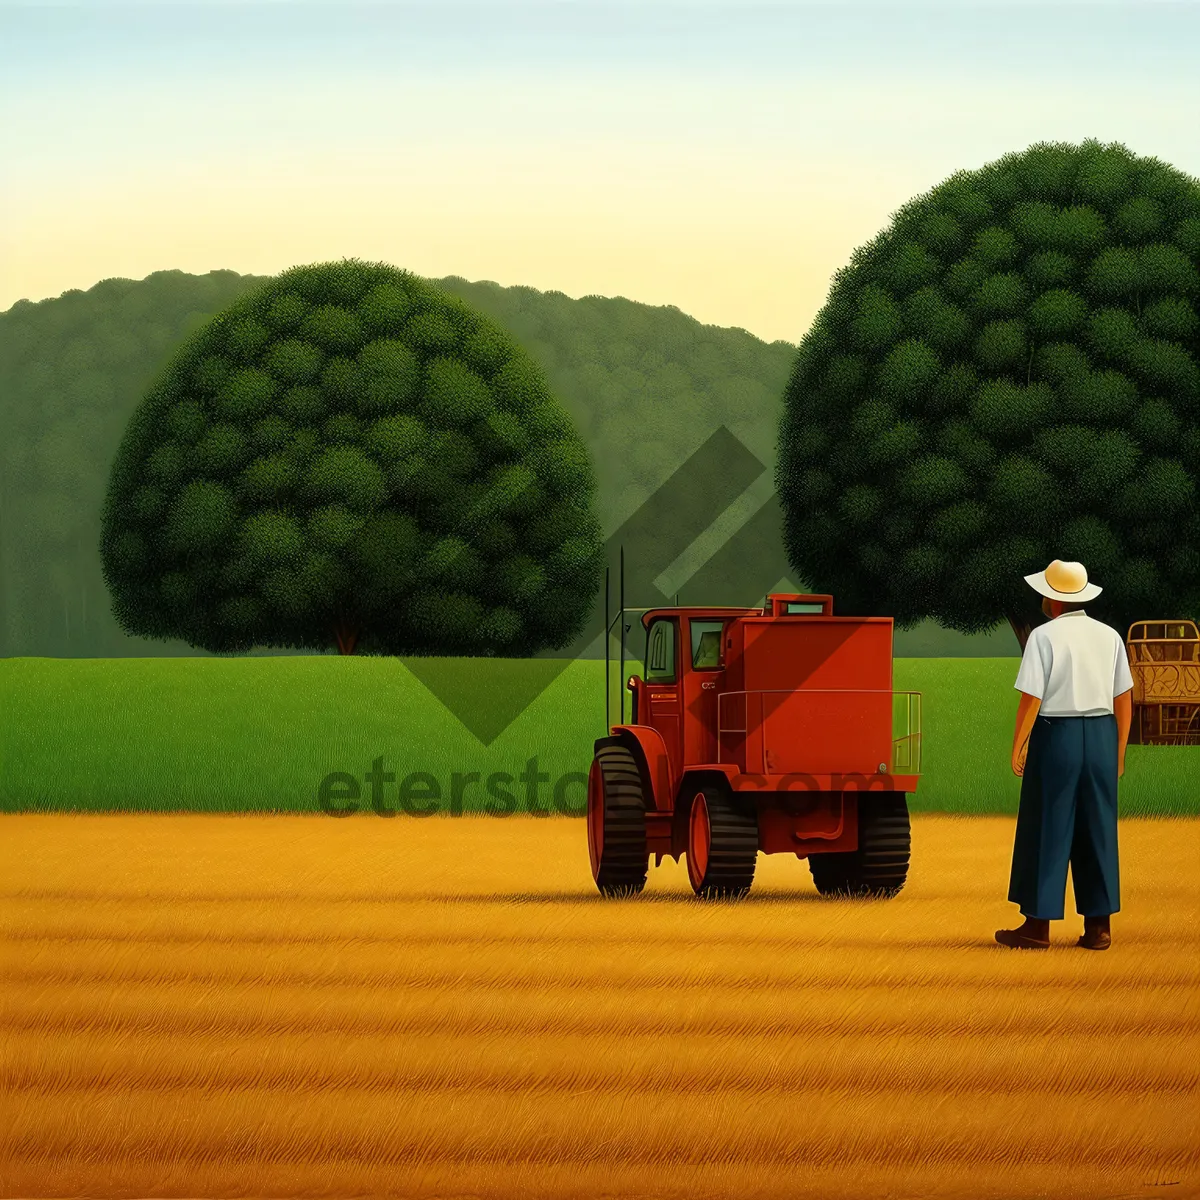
1164 658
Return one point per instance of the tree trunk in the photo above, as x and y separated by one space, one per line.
1022 629
347 637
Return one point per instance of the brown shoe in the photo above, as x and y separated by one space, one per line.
1034 934
1096 934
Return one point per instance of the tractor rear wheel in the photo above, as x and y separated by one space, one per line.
616 819
879 867
722 845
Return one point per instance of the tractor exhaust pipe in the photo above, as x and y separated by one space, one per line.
607 634
621 676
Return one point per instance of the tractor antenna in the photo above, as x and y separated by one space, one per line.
607 631
621 677
676 599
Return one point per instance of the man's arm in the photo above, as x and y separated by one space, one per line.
1122 701
1123 710
1027 711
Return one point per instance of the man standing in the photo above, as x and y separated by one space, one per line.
1069 749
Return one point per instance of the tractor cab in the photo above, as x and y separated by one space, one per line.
693 659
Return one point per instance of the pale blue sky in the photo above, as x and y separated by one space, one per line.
724 158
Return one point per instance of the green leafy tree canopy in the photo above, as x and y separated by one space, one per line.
1006 375
349 455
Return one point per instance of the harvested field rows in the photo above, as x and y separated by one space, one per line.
278 1006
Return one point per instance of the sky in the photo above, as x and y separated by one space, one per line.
723 158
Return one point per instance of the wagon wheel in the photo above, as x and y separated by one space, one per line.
1191 735
879 867
722 845
616 821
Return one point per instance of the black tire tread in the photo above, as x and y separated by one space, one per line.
624 860
733 847
879 867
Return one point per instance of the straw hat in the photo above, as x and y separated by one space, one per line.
1064 581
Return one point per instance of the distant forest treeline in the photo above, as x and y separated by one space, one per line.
647 387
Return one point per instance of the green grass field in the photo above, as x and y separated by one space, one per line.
262 733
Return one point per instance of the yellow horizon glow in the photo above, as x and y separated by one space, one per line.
731 243
729 184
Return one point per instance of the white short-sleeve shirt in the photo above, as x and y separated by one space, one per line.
1075 666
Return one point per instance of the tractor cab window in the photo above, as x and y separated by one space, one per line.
660 652
706 645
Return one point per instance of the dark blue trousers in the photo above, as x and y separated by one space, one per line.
1068 814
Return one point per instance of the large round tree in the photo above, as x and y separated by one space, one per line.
1006 375
348 456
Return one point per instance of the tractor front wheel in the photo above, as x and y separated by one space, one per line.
616 820
722 845
879 867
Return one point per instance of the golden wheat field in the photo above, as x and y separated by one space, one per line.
297 1006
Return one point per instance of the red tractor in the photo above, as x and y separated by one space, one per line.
772 729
